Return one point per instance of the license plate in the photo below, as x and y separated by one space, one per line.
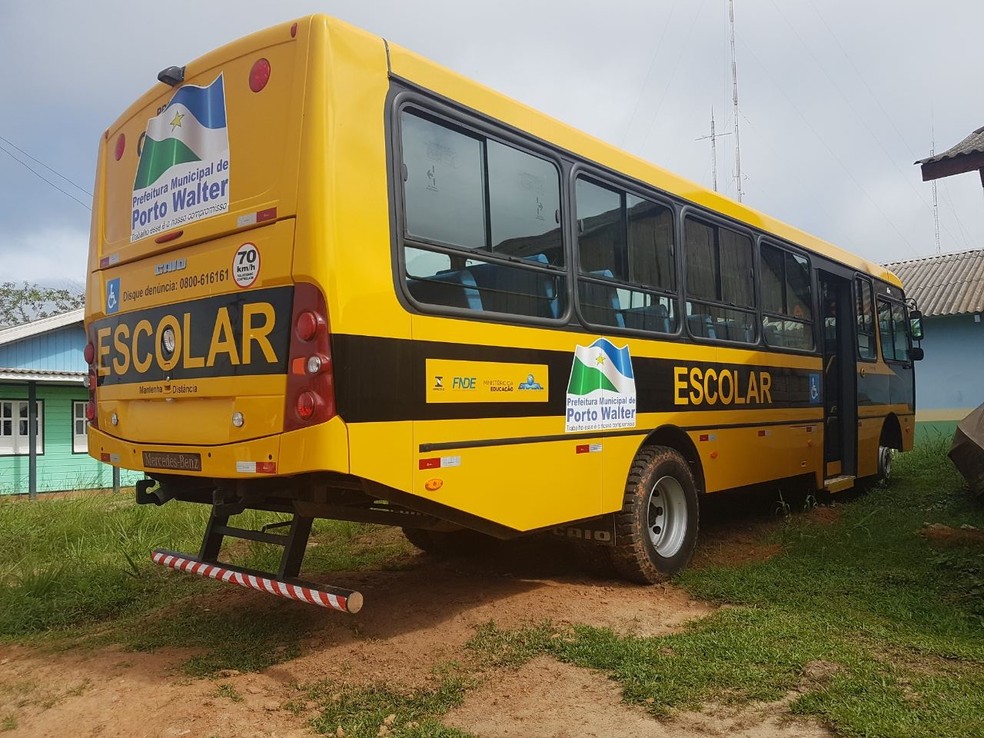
172 461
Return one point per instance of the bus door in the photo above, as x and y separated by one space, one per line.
839 402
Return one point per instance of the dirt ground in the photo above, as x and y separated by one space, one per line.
414 620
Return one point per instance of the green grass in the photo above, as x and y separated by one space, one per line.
83 562
360 713
875 629
893 626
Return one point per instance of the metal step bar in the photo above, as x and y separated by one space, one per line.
333 598
283 584
839 483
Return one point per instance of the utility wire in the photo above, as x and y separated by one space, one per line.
657 47
831 151
42 177
874 96
15 146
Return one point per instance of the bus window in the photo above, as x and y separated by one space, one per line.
719 270
787 299
443 191
524 202
473 207
865 320
894 330
626 239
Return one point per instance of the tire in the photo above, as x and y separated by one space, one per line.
656 530
885 455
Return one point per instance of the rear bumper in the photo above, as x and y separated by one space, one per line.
323 447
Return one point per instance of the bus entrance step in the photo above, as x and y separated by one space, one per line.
838 484
334 598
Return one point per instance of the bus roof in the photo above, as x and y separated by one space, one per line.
442 81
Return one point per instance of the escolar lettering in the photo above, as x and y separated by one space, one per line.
141 347
696 386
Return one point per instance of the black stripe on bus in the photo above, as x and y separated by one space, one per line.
490 442
384 379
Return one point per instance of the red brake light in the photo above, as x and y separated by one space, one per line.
306 326
307 403
310 384
259 75
120 146
89 353
90 410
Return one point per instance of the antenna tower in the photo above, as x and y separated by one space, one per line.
734 97
936 202
714 157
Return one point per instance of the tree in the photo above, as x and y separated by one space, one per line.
26 302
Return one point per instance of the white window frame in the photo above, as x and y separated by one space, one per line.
80 441
14 442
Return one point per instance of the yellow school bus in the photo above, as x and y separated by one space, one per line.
330 278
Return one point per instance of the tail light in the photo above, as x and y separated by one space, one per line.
310 380
90 382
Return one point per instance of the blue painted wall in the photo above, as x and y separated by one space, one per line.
59 468
950 380
59 351
951 377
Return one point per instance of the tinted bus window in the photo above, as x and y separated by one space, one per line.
787 299
719 270
624 239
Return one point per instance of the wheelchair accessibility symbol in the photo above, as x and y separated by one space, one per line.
112 296
814 388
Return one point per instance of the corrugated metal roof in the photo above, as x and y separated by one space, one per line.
43 325
948 284
40 375
973 144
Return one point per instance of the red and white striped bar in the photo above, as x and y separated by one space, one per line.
332 598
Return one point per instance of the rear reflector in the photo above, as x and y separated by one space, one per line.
168 236
259 75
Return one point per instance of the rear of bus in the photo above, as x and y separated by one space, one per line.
207 318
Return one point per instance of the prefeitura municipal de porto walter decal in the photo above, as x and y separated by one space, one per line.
601 393
183 173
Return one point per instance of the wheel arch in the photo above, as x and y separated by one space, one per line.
674 437
891 433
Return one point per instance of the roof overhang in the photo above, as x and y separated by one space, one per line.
966 156
43 325
23 376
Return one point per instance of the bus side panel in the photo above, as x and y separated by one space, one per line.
520 485
869 433
383 452
735 457
344 206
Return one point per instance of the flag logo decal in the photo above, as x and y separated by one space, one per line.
183 171
601 393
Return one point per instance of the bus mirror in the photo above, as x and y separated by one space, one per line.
915 325
916 354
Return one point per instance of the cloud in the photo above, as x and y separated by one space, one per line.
51 256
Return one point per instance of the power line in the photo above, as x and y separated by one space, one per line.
42 177
885 113
806 120
53 171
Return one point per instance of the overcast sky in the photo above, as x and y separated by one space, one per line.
837 98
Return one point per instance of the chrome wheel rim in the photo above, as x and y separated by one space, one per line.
885 462
666 516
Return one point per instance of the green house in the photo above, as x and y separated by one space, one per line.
44 360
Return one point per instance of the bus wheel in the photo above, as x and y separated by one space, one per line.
656 531
885 455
